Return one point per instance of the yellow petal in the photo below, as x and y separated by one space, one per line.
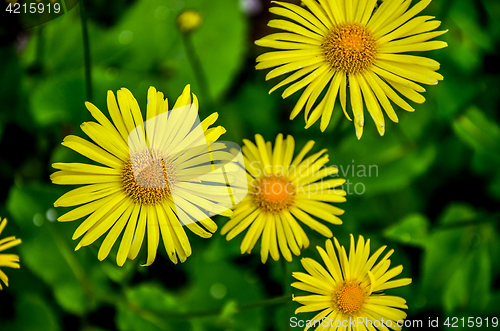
294 28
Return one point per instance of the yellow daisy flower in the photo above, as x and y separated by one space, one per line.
283 189
145 183
352 43
349 293
7 260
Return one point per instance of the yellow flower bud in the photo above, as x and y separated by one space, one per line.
189 20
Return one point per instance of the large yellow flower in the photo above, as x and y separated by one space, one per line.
283 189
349 292
352 43
7 260
142 173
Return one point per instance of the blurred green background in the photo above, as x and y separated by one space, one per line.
434 196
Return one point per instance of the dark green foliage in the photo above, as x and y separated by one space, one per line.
430 188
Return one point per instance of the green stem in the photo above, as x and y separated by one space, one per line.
39 47
265 303
86 52
113 299
248 306
149 316
286 287
65 10
197 68
285 276
211 312
70 258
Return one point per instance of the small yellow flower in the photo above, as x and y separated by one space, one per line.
189 20
7 260
335 44
283 189
351 288
133 190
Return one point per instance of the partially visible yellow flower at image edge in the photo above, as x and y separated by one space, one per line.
334 44
351 287
7 260
111 199
284 189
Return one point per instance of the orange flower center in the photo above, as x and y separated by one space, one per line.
274 193
350 47
350 298
146 178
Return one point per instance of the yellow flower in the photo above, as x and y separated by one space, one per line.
7 260
141 175
352 43
283 189
189 20
351 288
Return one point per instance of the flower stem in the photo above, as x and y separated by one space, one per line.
239 308
86 52
286 287
265 303
219 311
195 63
63 3
37 66
72 261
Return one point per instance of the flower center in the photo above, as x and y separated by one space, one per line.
350 47
349 298
147 178
274 193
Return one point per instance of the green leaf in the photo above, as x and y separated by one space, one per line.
39 198
152 297
455 254
479 132
386 166
412 229
113 271
127 320
211 291
465 289
47 248
34 313
251 110
144 309
456 213
211 302
465 14
448 102
66 102
467 36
